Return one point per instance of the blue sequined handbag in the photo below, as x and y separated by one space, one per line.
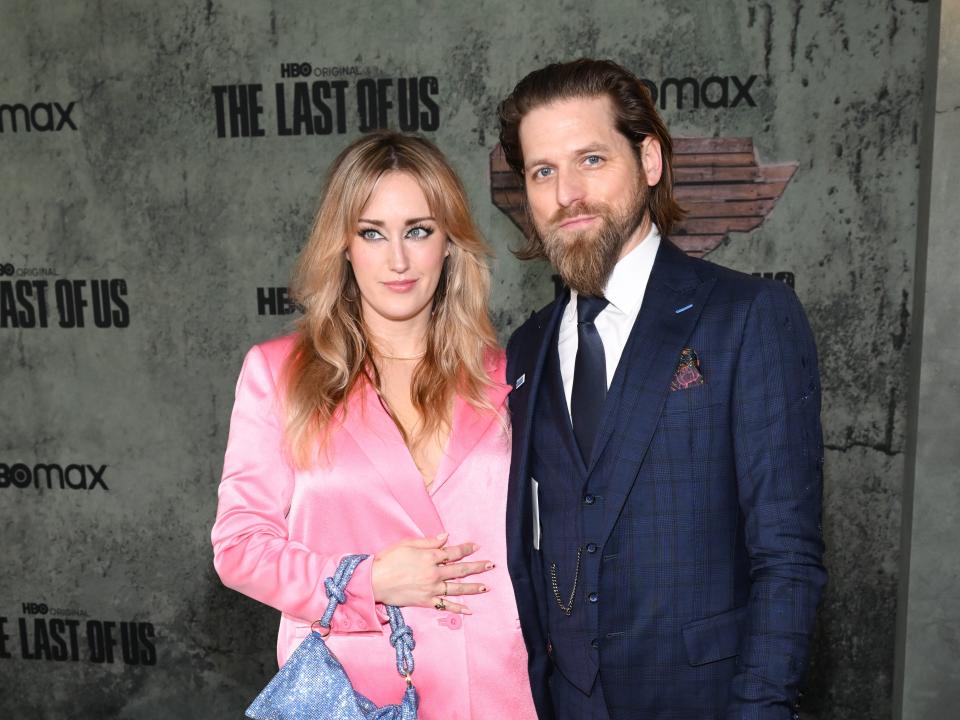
313 685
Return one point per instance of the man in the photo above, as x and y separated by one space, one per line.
663 522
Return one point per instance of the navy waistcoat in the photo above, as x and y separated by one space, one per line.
570 513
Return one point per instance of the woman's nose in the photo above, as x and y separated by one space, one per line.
398 257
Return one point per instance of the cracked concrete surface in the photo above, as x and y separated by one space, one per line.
145 191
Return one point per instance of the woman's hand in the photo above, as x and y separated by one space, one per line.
419 572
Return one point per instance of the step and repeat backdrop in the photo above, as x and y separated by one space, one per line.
159 167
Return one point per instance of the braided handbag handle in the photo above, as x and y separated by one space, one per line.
401 635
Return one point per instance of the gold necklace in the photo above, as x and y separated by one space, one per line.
397 357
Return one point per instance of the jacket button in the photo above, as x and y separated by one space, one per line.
593 597
450 620
595 644
589 499
591 548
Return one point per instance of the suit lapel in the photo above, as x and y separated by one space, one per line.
672 304
533 357
375 434
527 357
468 426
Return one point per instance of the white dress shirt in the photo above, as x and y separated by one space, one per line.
624 293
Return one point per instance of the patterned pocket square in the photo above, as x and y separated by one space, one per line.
688 372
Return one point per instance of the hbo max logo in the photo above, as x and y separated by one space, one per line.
6 269
52 476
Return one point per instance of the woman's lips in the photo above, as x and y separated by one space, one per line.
401 286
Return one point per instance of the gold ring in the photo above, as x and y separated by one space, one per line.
440 604
445 588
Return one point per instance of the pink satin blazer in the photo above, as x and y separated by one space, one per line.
280 531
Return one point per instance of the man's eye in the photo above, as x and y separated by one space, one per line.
542 172
419 232
370 234
593 159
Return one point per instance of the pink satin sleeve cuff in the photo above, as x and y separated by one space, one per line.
252 551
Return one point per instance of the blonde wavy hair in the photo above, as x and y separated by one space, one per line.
333 352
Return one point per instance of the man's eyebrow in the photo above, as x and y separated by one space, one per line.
585 150
592 148
534 163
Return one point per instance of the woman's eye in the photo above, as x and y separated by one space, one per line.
370 234
419 232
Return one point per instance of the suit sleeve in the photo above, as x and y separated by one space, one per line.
252 552
778 452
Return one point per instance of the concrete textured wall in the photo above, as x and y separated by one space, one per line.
928 676
137 207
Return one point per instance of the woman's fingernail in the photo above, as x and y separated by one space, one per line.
442 536
489 566
483 588
466 610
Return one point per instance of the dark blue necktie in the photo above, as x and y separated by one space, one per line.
589 375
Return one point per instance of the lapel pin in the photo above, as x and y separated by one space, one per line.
520 381
683 309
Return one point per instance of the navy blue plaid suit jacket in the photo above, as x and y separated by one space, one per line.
711 536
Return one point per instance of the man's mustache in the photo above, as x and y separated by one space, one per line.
577 209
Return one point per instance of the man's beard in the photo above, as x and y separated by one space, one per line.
584 260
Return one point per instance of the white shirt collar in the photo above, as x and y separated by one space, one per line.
623 291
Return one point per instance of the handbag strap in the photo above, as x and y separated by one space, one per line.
401 635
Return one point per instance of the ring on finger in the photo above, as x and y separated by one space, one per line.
440 604
445 588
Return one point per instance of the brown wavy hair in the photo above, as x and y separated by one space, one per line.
634 114
333 352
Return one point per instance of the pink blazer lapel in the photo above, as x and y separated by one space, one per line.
378 438
468 428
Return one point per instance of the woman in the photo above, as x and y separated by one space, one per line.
379 427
